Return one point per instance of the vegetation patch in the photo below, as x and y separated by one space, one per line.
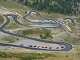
74 55
72 40
9 39
42 33
1 19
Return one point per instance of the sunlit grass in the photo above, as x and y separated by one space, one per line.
8 39
73 55
13 6
1 19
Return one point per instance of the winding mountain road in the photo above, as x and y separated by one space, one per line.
33 43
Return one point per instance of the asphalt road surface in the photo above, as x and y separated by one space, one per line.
33 43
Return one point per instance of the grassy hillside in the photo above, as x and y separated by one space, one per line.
74 55
13 6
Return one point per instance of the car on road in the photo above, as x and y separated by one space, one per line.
46 47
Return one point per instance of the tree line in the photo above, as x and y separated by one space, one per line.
70 7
